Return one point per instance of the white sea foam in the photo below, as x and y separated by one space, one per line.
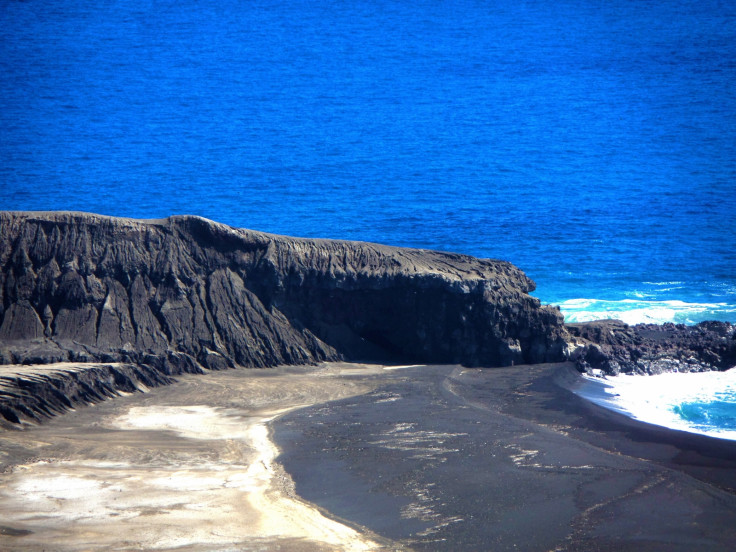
639 311
658 399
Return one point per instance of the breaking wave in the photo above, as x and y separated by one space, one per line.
703 402
640 311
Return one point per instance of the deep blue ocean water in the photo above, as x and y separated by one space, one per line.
591 143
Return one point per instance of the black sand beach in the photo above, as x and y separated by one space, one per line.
447 458
369 457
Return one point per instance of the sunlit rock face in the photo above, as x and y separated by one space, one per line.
184 293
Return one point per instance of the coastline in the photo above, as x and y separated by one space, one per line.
653 400
447 458
364 457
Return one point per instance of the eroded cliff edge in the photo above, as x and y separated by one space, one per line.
185 292
113 305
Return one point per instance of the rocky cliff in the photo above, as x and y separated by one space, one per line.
39 392
613 347
184 293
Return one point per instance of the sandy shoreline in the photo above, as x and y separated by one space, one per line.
448 458
358 457
656 399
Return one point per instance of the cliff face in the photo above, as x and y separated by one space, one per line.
186 292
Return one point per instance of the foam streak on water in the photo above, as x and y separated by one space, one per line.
696 402
642 311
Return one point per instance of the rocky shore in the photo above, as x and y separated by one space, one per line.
612 347
333 456
143 301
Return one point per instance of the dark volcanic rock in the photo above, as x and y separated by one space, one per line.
44 392
612 346
185 293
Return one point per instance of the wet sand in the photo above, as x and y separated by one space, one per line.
416 457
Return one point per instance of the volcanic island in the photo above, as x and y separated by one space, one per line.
180 384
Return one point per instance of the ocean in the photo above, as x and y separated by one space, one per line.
702 402
593 144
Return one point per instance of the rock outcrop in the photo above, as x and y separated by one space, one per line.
185 293
40 392
614 347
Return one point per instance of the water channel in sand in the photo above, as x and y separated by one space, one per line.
190 466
